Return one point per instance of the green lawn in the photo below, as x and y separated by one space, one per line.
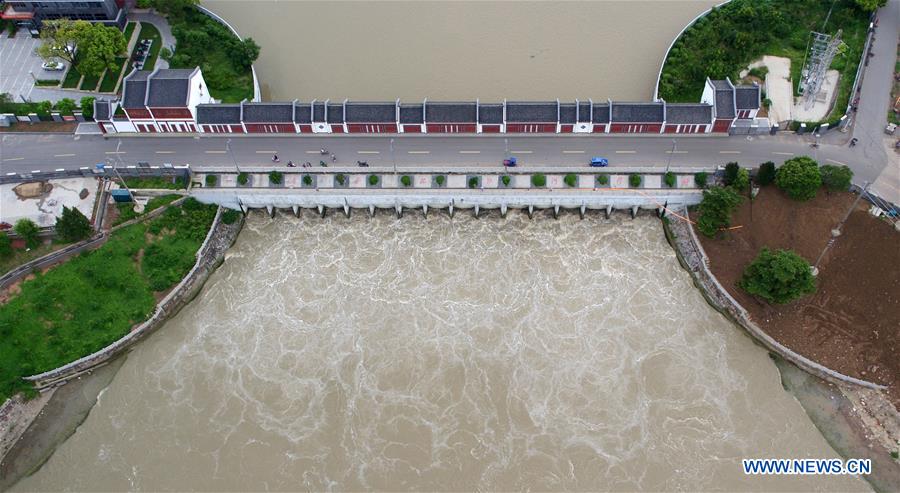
90 82
108 84
72 78
126 210
94 299
724 42
149 31
129 30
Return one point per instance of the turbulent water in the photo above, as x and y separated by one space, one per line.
459 50
439 354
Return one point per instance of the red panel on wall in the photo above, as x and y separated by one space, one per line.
305 129
135 114
452 128
412 129
337 129
599 129
721 125
673 129
171 113
566 129
530 128
490 129
237 129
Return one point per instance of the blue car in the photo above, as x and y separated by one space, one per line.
599 162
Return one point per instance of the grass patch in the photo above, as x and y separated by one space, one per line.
149 31
95 298
204 42
20 256
47 82
72 78
90 82
108 84
725 41
167 182
126 210
129 31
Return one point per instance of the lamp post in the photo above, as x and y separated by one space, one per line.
230 151
393 159
116 170
671 153
837 230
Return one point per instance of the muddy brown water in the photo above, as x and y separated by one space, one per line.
460 50
438 354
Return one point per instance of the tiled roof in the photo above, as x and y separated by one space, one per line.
567 113
268 112
450 112
584 111
135 89
335 113
169 88
531 112
637 112
302 112
725 103
410 113
219 114
371 112
490 113
746 97
601 113
688 113
721 85
318 111
101 110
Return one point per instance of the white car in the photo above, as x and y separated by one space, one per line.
54 66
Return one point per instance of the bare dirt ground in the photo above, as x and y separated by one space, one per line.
852 323
61 127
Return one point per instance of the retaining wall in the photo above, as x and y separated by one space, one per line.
690 253
209 256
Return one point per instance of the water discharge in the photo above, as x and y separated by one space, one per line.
439 354
459 50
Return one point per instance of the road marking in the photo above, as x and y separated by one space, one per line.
573 152
368 152
267 152
836 162
63 155
314 152
214 152
626 152
783 153
729 152
60 169
470 152
165 152
418 152
35 171
116 152
14 159
676 152
521 152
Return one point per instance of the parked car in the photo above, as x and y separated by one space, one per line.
599 162
53 66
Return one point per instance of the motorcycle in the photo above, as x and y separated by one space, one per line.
290 164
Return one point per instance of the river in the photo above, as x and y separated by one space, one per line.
459 50
443 354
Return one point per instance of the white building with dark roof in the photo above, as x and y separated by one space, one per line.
164 100
730 103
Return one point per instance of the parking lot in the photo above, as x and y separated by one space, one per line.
17 59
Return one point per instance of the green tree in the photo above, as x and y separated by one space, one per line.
778 277
571 179
5 245
28 231
836 178
340 179
246 53
211 180
473 182
275 177
87 107
506 179
169 7
165 53
44 107
243 178
731 173
439 179
799 177
766 173
700 179
98 48
73 225
373 180
405 180
60 37
871 5
307 180
715 209
669 179
742 180
602 179
538 179
66 106
634 180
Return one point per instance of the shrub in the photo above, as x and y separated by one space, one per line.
340 178
275 177
243 178
211 180
700 179
28 231
538 179
44 108
87 107
373 180
570 179
634 180
799 177
505 179
836 178
439 179
766 173
230 216
742 180
716 208
778 277
307 180
473 182
5 245
66 106
603 179
405 180
731 173
73 225
669 179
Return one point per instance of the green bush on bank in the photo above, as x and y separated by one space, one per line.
127 213
28 230
778 277
716 208
836 178
95 298
766 174
799 177
230 216
166 182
